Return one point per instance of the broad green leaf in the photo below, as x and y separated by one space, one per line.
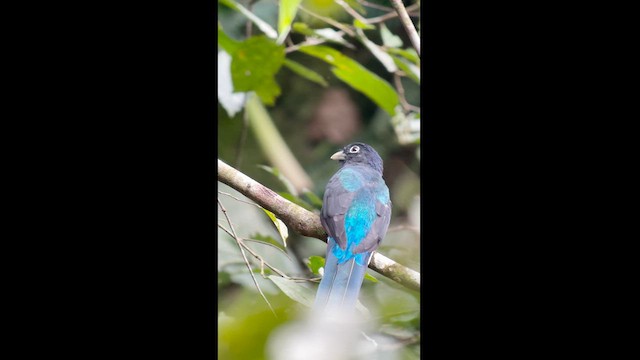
255 63
356 76
280 226
295 290
382 56
315 263
389 39
286 14
261 24
305 72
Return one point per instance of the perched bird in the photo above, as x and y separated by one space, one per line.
355 214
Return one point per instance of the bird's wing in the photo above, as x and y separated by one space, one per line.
336 203
380 224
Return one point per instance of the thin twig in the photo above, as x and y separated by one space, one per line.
240 200
258 257
374 6
408 25
309 42
393 14
329 21
351 12
403 101
238 241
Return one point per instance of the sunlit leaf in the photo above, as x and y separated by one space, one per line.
302 28
280 226
305 72
359 24
356 76
389 39
261 24
409 54
286 14
295 290
315 263
254 65
370 277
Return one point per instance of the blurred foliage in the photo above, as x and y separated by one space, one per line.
318 105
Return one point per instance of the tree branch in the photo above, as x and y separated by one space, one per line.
307 223
408 25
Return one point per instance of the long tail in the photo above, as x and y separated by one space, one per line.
340 285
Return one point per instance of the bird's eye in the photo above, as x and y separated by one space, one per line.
354 149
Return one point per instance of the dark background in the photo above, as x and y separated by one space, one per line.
115 122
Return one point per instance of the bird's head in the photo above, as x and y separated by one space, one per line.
359 153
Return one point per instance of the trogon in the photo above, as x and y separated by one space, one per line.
355 213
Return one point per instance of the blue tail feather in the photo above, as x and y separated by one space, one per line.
340 285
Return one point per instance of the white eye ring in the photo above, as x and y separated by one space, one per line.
354 149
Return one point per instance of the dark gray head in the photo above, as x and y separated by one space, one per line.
359 153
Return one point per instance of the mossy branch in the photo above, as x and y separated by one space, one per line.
307 223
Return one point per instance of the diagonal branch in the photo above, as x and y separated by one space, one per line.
408 25
307 223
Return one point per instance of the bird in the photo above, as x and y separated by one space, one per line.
355 213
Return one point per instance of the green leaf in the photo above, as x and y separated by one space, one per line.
305 72
254 65
412 71
409 54
261 24
228 44
370 277
358 77
280 226
389 39
359 24
302 28
286 14
315 263
295 290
